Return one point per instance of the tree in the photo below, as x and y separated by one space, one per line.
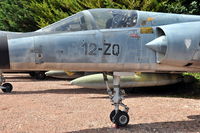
30 15
49 11
181 6
14 16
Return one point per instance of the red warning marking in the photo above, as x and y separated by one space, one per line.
134 35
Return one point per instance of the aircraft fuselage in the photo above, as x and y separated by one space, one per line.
111 49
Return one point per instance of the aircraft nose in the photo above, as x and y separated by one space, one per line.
4 53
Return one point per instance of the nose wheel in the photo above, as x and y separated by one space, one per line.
121 118
6 87
118 117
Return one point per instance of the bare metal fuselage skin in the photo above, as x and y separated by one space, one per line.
109 49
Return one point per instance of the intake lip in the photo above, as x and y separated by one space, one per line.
4 53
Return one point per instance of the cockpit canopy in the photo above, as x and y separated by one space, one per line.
114 18
95 19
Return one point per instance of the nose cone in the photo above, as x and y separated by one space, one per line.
159 44
4 53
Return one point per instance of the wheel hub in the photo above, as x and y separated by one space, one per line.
123 119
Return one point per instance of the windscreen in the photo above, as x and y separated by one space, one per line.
114 18
73 23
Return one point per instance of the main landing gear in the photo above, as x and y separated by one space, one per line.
119 117
5 87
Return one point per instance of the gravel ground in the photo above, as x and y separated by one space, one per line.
55 106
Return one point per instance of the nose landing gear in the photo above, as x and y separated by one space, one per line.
6 87
121 118
118 117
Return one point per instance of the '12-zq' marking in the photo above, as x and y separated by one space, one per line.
109 49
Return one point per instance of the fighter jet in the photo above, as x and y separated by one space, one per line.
109 41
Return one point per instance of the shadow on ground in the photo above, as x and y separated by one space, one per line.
61 91
31 79
181 90
191 125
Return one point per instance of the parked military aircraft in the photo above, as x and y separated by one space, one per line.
108 40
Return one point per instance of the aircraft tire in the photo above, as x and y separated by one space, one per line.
121 119
32 74
40 75
8 87
112 114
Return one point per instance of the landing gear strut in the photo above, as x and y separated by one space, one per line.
118 117
6 87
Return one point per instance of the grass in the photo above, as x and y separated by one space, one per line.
196 75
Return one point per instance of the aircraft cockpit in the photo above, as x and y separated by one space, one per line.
114 18
94 19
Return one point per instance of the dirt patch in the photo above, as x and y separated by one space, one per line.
56 106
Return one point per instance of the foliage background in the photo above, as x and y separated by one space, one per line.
30 15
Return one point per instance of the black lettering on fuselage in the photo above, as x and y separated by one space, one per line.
92 49
106 52
115 49
108 49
